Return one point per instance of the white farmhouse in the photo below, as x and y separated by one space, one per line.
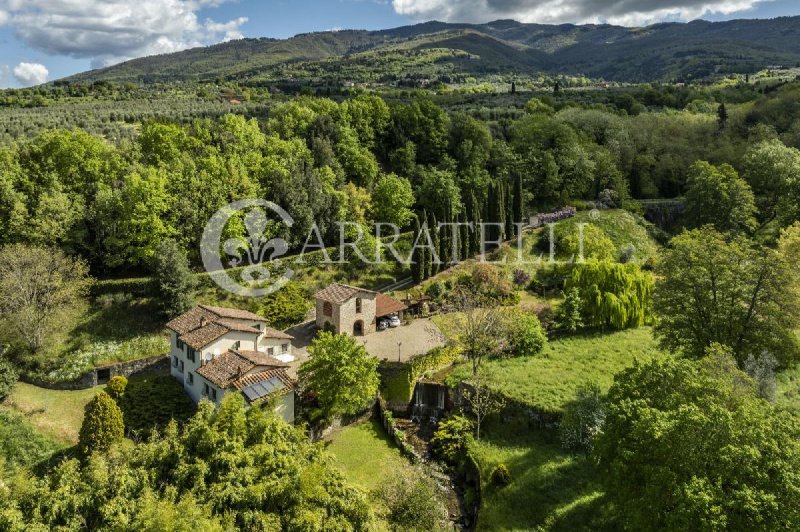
218 350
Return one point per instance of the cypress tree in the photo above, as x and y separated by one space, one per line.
433 226
416 265
102 425
464 239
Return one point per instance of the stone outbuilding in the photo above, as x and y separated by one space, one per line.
348 309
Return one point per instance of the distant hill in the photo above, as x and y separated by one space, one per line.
662 52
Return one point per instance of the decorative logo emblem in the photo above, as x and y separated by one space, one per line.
250 266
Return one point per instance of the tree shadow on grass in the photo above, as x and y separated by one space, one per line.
120 321
550 488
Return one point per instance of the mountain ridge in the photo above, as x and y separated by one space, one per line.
665 51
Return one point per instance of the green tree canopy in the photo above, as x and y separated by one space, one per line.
392 200
245 468
613 295
716 195
689 446
716 290
340 372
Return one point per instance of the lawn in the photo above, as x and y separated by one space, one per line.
55 413
549 380
550 489
367 456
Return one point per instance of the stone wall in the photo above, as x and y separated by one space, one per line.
90 379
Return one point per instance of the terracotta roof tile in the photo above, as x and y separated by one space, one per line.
253 378
231 366
202 336
225 368
339 293
190 320
269 332
235 325
258 358
385 305
234 313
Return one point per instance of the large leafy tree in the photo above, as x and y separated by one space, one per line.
242 467
42 292
392 200
340 372
716 195
612 295
689 446
773 170
714 289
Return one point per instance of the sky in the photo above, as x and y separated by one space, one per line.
43 40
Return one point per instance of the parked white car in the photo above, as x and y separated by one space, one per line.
394 321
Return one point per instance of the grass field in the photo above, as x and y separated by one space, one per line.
367 456
549 380
55 413
550 489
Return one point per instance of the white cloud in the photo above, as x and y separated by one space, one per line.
623 12
28 74
110 31
3 17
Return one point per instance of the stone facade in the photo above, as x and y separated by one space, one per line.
346 317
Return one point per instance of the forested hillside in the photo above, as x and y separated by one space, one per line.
663 52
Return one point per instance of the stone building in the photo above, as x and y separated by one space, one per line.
348 309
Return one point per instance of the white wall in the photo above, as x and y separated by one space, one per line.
265 343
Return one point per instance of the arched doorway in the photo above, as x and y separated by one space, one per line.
358 328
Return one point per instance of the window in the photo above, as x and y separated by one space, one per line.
284 348
190 378
181 367
213 394
190 354
175 362
358 305
179 343
327 309
205 388
270 351
236 345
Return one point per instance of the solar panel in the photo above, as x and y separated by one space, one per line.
261 389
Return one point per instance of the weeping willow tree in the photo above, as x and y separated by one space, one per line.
613 295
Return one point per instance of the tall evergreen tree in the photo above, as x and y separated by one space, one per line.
416 259
174 281
433 227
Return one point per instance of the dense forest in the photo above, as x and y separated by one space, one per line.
323 161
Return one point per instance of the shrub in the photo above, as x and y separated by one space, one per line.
286 307
524 334
451 439
627 253
521 278
102 425
412 503
21 444
116 387
8 377
500 476
583 419
569 318
436 290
